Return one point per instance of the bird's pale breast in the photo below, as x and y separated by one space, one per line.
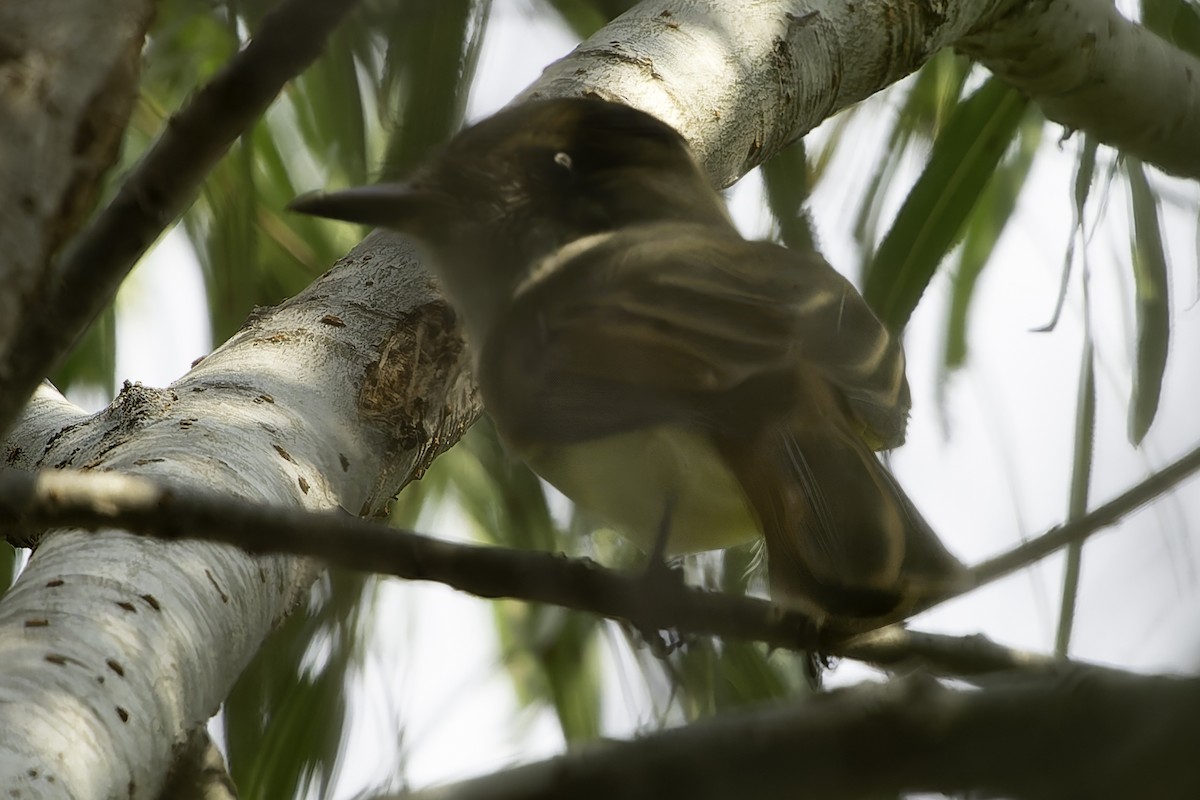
629 480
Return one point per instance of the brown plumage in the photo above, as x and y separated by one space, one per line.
641 354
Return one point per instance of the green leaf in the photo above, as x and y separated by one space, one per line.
1153 303
984 228
709 676
785 178
550 655
1085 173
8 566
431 57
1081 474
963 160
549 652
927 102
583 17
329 109
275 750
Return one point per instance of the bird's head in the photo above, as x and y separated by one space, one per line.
512 189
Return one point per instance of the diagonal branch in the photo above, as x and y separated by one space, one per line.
1079 529
105 500
62 498
161 187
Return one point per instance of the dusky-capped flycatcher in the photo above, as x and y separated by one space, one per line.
661 370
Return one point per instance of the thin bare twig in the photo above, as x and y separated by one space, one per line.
62 498
1080 529
92 500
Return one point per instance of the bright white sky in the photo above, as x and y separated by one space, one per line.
1001 473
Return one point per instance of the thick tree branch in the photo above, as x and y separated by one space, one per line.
68 80
1080 60
1091 69
86 277
1069 732
742 79
116 647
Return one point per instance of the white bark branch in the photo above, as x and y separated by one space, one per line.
115 647
1091 69
741 79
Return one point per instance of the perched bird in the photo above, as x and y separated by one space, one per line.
659 369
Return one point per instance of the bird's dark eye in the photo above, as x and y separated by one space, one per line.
555 170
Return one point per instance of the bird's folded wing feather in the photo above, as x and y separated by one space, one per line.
629 329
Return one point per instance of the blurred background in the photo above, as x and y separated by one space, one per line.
1061 275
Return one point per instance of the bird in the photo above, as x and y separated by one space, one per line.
694 389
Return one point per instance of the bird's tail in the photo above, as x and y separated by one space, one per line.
843 540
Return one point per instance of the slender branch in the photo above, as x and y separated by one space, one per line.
161 187
62 498
1072 731
92 500
1080 529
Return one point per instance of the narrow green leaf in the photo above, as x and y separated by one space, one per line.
1081 474
430 54
935 94
8 566
1152 300
750 675
710 676
550 655
548 652
225 236
866 222
984 228
583 17
928 101
785 178
275 751
1085 173
329 108
963 159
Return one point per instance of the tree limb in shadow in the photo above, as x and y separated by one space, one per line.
91 500
162 185
1070 731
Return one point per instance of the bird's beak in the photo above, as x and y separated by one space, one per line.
400 206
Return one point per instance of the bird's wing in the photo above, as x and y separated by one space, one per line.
646 325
